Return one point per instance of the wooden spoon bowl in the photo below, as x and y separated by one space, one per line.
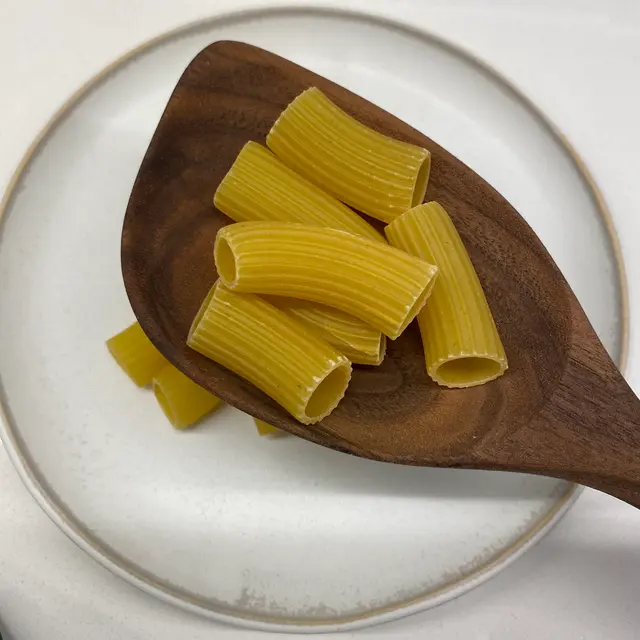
562 409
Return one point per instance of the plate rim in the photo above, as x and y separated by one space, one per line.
101 552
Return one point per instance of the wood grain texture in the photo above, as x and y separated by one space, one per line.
563 409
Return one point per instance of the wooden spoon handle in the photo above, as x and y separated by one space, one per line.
589 429
600 437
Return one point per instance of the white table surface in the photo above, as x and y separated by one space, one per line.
580 62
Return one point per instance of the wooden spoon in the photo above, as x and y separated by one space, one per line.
563 409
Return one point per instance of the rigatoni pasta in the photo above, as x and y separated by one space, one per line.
379 284
265 429
183 401
258 186
462 345
357 340
136 355
272 350
373 173
306 286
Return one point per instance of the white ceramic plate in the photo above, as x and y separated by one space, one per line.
279 535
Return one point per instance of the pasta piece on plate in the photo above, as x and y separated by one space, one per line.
265 429
135 353
183 401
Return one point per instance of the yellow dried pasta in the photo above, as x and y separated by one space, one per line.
260 187
461 342
136 355
373 173
183 401
379 284
272 350
361 343
265 429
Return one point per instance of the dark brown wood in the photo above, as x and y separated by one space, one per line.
563 409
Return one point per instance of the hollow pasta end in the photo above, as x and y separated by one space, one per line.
468 371
328 393
225 261
164 403
422 180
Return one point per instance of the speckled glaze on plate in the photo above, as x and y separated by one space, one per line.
277 535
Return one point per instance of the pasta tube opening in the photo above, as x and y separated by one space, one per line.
382 352
225 261
422 180
466 371
164 402
417 306
323 399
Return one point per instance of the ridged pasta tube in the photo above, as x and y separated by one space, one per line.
373 173
258 186
379 284
272 350
361 343
461 342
